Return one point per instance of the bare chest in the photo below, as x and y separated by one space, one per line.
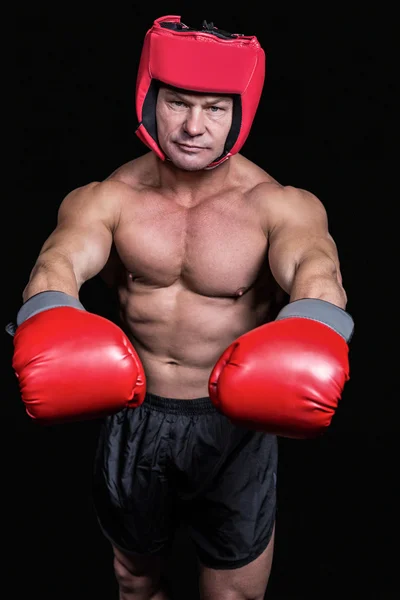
215 249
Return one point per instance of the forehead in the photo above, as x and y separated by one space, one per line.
190 95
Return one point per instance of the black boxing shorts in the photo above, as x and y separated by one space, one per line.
172 460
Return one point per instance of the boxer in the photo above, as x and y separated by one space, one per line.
233 324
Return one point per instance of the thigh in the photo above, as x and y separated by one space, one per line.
132 497
231 521
249 581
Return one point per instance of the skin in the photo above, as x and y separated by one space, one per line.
198 257
207 120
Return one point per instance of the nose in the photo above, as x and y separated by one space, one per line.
194 122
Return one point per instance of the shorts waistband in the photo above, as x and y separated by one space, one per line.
195 406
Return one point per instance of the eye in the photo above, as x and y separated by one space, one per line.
215 109
177 103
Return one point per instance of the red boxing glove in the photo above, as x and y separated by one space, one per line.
71 364
286 377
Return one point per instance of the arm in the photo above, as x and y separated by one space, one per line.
79 246
72 364
287 376
302 254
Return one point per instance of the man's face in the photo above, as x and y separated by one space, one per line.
192 128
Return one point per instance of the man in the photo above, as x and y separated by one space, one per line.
233 322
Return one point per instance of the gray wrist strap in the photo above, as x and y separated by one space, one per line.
319 310
44 301
41 302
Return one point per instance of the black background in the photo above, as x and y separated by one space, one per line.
326 124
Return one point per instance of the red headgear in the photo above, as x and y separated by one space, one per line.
208 60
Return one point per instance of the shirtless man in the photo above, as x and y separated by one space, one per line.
233 324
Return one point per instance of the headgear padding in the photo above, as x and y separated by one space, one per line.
208 60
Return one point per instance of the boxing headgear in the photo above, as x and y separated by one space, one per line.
208 60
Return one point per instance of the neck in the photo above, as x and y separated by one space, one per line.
192 186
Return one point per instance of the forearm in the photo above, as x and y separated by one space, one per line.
52 271
317 277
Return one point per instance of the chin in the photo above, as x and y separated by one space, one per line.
186 166
190 164
196 162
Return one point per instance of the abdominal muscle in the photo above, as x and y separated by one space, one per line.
179 334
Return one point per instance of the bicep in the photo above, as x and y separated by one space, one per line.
83 235
299 231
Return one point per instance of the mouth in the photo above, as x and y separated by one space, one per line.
190 148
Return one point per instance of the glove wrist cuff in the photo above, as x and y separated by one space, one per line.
322 311
45 301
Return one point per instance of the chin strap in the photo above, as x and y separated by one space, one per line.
216 164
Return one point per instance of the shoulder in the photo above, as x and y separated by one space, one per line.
275 193
283 204
95 201
97 193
